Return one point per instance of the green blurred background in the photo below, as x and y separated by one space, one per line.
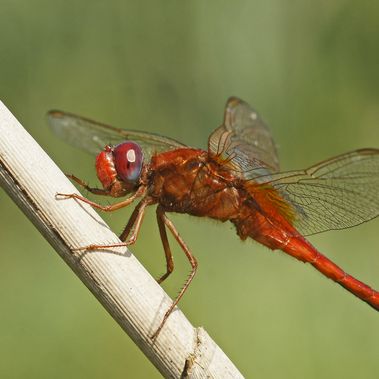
311 69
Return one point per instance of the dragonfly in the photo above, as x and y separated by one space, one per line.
236 179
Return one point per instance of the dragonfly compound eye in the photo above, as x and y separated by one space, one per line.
128 159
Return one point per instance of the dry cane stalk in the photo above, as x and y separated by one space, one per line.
121 284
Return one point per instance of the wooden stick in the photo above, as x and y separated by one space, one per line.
121 284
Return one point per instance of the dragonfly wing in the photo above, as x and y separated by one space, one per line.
93 136
244 142
336 194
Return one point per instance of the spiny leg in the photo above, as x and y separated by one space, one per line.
166 246
192 261
134 225
131 222
105 208
96 191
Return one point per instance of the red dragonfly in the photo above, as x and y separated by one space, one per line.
237 179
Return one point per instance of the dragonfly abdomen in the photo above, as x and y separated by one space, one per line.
301 249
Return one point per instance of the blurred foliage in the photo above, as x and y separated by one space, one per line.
310 68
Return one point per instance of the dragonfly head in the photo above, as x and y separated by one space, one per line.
119 167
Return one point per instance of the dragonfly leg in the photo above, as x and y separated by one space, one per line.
96 191
105 208
166 246
133 226
191 258
135 222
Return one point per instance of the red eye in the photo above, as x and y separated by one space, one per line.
128 159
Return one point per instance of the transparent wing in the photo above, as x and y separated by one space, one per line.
338 193
244 142
93 136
